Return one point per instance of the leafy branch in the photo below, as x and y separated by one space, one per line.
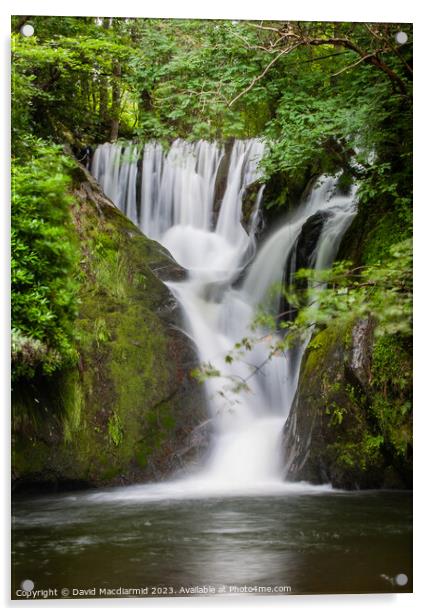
295 36
342 294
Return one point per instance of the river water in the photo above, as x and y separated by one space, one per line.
311 540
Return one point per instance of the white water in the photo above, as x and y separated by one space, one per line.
176 207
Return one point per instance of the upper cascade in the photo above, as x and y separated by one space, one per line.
171 196
160 189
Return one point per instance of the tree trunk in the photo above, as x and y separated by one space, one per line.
116 101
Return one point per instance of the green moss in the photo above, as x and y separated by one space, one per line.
319 349
73 404
159 422
115 412
107 475
115 429
141 457
28 456
363 455
388 230
392 384
359 428
376 227
392 365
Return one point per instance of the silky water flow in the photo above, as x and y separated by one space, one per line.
231 519
227 283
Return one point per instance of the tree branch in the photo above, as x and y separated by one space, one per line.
259 77
346 68
369 58
391 46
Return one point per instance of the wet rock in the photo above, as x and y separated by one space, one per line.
334 433
196 449
222 174
300 258
360 360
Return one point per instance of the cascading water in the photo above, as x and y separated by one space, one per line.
170 196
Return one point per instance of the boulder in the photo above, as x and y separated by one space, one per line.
130 405
341 429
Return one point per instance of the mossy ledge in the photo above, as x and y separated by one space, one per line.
129 410
350 423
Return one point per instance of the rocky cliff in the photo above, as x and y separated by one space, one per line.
351 420
349 425
129 411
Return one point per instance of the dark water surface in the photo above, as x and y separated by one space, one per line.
317 542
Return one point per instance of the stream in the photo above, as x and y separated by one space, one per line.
234 525
308 539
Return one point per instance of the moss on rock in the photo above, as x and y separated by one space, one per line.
349 425
130 404
351 420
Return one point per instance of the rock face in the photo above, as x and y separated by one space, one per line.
300 258
340 430
351 420
130 410
308 238
222 174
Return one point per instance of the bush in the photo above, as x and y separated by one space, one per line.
44 261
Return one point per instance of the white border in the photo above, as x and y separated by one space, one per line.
363 10
338 10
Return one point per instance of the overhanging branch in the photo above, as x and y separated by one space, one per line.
296 41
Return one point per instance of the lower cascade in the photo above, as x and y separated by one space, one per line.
173 197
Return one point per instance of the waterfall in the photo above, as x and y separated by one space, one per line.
171 197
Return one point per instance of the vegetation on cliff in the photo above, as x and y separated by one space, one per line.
44 262
117 413
328 98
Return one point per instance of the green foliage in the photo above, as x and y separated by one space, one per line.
338 102
365 434
202 373
392 228
392 384
230 384
337 414
183 73
364 454
382 291
384 434
44 261
70 59
212 79
342 295
115 429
